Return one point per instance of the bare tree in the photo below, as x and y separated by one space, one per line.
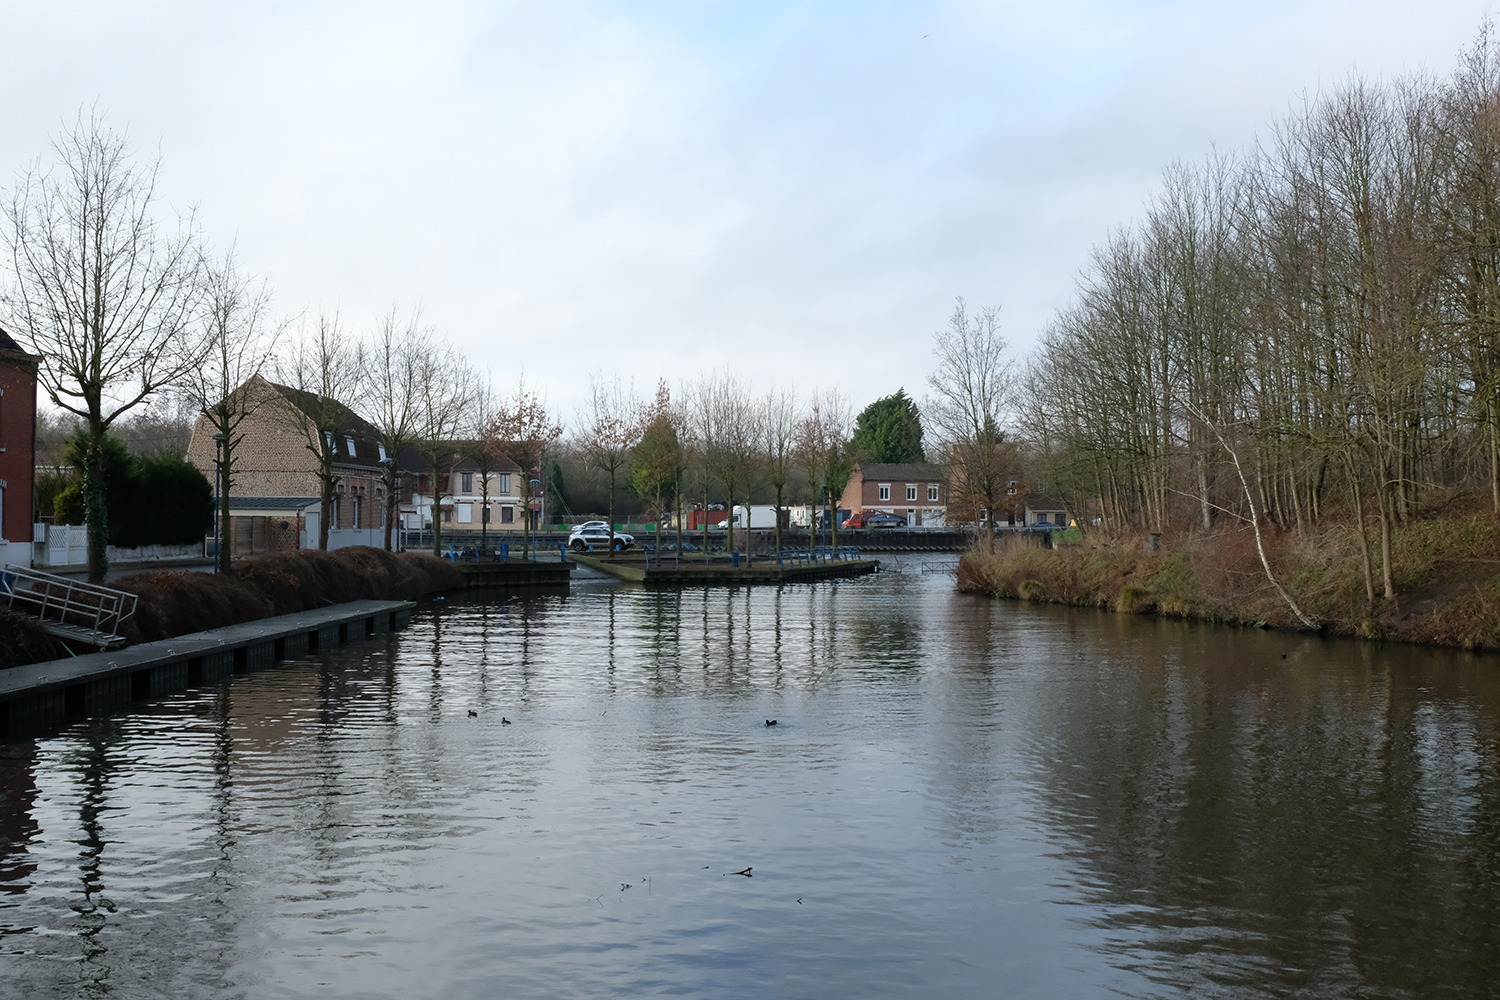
609 428
102 292
321 370
448 388
523 432
657 463
778 428
391 383
241 334
734 444
482 447
971 385
825 451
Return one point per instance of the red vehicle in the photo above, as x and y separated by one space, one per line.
874 519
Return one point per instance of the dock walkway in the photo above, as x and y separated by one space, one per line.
693 572
41 697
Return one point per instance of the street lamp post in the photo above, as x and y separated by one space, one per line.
218 513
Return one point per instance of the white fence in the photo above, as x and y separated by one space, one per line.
60 545
341 538
67 545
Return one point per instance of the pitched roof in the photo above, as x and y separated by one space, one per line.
1044 501
366 437
924 472
6 343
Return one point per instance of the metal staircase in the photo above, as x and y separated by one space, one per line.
74 611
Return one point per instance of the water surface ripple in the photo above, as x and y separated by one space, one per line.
960 798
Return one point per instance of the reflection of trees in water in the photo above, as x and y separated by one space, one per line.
17 825
94 769
1301 825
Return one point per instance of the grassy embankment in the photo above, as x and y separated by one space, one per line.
1445 565
178 602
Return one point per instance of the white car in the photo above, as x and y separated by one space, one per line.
591 535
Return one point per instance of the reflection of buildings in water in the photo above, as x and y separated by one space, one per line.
18 827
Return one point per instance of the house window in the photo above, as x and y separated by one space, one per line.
465 513
885 491
504 483
911 491
382 452
447 515
468 478
358 503
932 492
507 515
349 443
333 512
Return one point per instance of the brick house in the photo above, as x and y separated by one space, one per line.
275 498
913 490
17 450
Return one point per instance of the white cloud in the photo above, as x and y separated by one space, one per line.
792 190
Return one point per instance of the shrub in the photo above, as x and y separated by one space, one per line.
1134 600
1032 590
23 640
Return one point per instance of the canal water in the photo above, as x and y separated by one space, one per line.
578 796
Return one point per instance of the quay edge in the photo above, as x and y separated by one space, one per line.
722 574
41 697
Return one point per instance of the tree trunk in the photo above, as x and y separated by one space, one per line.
611 511
1385 541
780 489
1364 538
1494 457
484 511
325 507
225 464
437 512
95 505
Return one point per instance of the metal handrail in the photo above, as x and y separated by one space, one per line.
66 601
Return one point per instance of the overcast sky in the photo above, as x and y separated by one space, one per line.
791 191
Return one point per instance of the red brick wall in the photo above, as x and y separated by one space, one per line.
17 445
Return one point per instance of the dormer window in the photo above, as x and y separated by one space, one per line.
349 443
382 452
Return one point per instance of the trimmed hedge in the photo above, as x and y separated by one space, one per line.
176 603
23 640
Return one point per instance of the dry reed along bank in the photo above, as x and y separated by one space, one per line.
1446 569
178 602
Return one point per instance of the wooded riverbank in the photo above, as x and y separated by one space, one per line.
1446 569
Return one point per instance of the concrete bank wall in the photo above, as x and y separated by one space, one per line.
41 697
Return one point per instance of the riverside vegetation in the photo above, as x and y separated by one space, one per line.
1445 564
173 603
1297 348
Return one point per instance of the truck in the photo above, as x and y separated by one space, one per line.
758 516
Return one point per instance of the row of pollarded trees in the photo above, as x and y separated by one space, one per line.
420 396
121 307
117 305
716 439
1313 325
